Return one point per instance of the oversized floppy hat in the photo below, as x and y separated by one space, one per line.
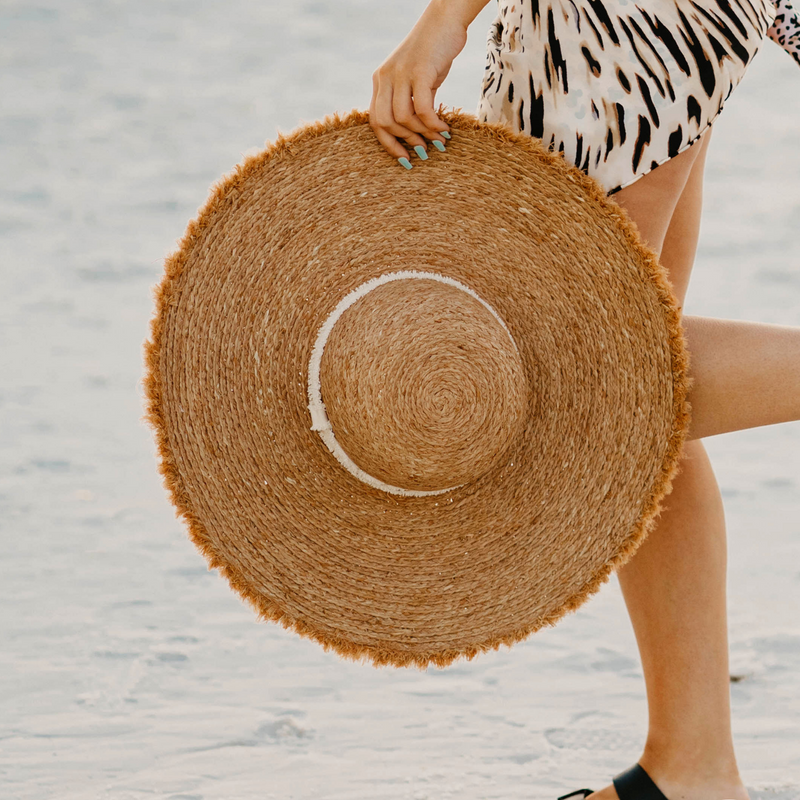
415 414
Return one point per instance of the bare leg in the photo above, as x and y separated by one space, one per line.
675 584
675 591
746 374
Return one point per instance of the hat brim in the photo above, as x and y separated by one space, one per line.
415 580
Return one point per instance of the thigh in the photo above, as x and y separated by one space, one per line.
680 243
659 196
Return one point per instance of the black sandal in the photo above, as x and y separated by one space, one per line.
633 784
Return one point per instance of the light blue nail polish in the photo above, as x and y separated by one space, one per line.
438 145
445 134
420 151
405 162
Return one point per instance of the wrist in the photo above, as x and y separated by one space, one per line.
460 11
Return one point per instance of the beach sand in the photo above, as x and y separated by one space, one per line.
127 669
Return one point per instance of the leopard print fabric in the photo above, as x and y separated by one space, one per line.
785 31
619 87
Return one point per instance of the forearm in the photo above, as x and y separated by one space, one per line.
464 11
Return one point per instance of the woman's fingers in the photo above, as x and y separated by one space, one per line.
390 143
382 121
406 117
394 114
424 94
417 113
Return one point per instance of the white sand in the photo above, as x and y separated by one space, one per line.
127 670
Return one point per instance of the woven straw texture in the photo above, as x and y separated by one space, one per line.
555 404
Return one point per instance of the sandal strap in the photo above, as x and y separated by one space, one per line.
636 784
581 792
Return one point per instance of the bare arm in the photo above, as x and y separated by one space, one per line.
464 10
404 85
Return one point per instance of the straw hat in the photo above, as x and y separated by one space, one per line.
415 415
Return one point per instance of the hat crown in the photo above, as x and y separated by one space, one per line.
423 385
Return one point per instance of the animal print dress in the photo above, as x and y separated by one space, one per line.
621 86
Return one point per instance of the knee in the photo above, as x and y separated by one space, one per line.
694 483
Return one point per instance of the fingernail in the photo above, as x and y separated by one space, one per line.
420 151
438 145
405 162
445 134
